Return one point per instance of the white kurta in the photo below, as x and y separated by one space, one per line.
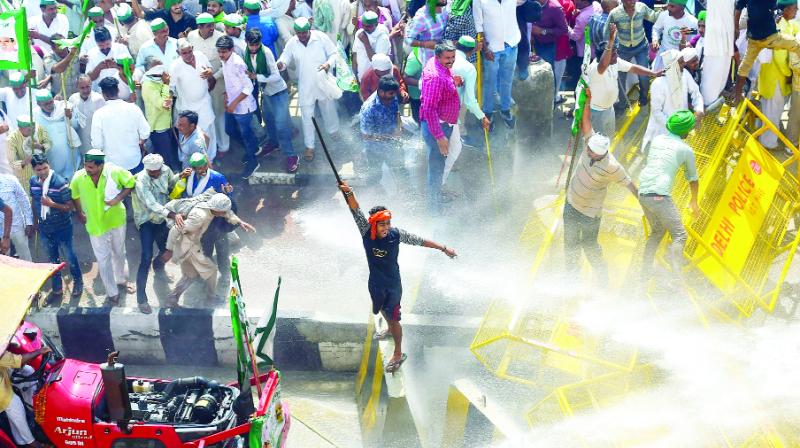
667 31
138 34
14 106
118 51
661 107
378 40
717 49
209 48
192 92
307 59
117 129
86 109
59 25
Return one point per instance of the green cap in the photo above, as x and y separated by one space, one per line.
466 41
16 79
47 2
204 18
158 24
681 122
301 24
44 95
369 18
232 20
95 11
785 3
168 3
124 12
677 2
95 155
24 121
252 4
197 160
702 15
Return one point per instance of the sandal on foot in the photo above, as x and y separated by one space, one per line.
394 366
381 335
309 155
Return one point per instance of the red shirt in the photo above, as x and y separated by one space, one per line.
563 50
369 83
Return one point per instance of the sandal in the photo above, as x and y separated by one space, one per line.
394 366
380 336
129 288
309 155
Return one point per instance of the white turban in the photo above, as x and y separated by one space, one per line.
381 62
599 144
153 162
218 203
688 53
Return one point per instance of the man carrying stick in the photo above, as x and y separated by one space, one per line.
382 245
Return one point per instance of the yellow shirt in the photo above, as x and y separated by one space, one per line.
7 361
778 72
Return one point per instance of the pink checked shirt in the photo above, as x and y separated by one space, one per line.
439 97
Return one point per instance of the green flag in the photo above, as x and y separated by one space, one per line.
75 42
15 46
580 91
265 332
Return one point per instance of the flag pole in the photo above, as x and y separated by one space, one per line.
245 325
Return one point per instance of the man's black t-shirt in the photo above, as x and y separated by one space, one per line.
760 17
175 27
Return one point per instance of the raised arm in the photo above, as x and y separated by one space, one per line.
358 215
605 60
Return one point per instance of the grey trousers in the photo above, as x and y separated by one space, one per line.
604 122
663 217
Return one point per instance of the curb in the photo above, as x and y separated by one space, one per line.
201 337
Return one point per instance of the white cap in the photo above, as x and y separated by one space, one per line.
381 62
599 144
153 162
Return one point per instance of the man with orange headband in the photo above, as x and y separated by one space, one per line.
382 245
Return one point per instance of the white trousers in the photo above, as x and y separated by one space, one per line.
558 73
329 116
218 104
109 249
772 108
21 244
716 72
18 421
454 150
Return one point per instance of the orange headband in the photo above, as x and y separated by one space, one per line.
375 218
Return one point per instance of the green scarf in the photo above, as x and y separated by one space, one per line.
432 8
261 63
458 8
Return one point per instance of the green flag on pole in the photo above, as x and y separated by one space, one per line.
15 46
265 332
580 91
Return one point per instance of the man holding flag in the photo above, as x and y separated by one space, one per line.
382 245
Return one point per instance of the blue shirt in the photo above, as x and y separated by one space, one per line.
216 180
269 31
377 119
667 154
58 192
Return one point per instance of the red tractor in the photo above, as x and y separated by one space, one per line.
80 404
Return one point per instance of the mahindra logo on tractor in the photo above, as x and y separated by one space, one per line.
755 167
72 432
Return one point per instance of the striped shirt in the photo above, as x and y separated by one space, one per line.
423 27
58 192
597 30
630 30
588 186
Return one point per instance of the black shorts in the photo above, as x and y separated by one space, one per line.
386 300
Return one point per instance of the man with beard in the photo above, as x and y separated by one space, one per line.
95 14
60 124
84 103
161 47
103 64
214 8
191 78
204 40
178 21
439 116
